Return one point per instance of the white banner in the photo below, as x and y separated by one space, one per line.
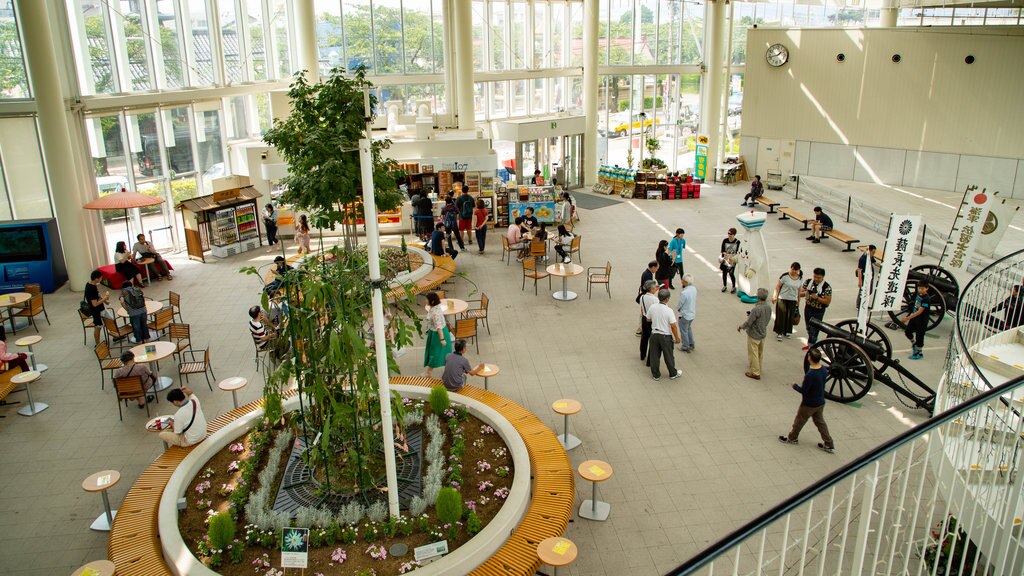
1000 216
968 225
899 249
868 281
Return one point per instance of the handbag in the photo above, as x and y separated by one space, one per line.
796 319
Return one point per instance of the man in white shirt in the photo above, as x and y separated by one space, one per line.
687 309
144 249
189 423
664 333
647 300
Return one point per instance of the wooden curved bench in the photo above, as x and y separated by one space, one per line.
134 545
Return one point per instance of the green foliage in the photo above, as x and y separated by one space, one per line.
449 505
423 524
472 523
12 70
319 141
439 401
236 552
221 531
349 535
654 163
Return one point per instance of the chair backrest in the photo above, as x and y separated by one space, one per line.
529 265
465 328
102 351
164 316
608 269
575 243
85 317
484 301
35 305
128 387
110 324
179 331
206 357
538 248
504 242
174 299
33 289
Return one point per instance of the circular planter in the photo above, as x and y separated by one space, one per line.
461 561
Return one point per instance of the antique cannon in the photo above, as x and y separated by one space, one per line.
855 361
943 295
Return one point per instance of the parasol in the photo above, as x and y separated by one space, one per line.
122 201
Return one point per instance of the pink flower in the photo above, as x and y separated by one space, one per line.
485 485
233 466
236 447
377 552
501 493
339 556
203 486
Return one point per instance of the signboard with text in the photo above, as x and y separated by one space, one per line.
700 169
899 250
295 548
967 229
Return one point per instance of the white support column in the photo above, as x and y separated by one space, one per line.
590 76
305 33
58 144
463 12
890 11
711 115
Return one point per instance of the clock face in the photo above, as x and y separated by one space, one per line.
777 55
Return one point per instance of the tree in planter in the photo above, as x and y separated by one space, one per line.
653 145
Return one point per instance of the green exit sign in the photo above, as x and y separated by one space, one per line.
554 125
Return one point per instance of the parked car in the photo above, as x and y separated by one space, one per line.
621 126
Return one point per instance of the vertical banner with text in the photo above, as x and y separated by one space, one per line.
700 169
899 249
968 227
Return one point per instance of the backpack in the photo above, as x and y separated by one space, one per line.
466 206
134 299
450 220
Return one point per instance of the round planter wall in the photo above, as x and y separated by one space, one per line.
461 561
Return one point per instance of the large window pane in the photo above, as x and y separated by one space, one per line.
128 29
620 33
499 99
418 38
437 25
279 38
209 148
575 27
644 34
480 34
517 36
144 143
201 66
541 40
23 168
13 83
230 40
499 40
519 95
329 38
169 64
257 49
358 35
387 36
558 36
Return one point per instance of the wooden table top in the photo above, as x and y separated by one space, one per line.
101 481
452 306
14 298
29 340
25 377
163 350
100 567
145 261
489 370
561 269
233 383
152 307
566 406
595 470
557 551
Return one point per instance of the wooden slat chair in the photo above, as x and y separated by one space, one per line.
466 328
34 308
162 320
538 250
574 248
174 303
479 313
116 333
531 271
600 275
129 388
505 249
106 362
86 323
194 366
180 335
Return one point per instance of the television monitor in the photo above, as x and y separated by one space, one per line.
22 244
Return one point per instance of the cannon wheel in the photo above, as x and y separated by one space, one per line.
943 275
850 373
936 311
873 334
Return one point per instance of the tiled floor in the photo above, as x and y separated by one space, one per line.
693 458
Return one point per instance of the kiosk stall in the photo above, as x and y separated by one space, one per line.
224 223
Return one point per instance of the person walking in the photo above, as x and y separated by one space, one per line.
270 223
787 301
664 273
727 259
917 321
648 274
450 218
676 247
687 311
480 214
302 235
756 326
439 340
664 333
648 299
812 404
566 211
818 295
756 190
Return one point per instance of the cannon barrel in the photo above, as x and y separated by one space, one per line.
940 283
872 349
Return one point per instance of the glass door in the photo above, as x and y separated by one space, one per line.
572 145
526 160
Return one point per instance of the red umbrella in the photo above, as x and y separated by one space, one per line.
122 201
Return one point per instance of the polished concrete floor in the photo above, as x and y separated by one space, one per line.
693 458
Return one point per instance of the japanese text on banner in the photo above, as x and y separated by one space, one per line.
899 250
971 221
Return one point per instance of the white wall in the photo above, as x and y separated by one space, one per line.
929 121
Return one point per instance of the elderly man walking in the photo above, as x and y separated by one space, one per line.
664 332
687 311
756 327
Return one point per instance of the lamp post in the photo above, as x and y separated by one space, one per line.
643 138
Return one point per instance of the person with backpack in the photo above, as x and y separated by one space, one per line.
465 205
450 219
134 301
426 217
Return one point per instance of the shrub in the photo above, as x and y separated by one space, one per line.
417 506
377 511
222 530
472 523
449 505
439 401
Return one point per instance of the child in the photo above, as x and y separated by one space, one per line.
9 358
917 321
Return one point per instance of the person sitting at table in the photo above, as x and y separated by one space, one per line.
145 250
542 232
281 268
124 263
95 304
134 302
189 423
9 358
563 243
529 220
515 238
130 368
456 367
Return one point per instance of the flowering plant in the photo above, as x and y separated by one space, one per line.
470 505
203 486
478 443
482 466
339 556
502 471
377 552
237 447
485 485
408 566
499 452
501 493
226 489
485 429
233 466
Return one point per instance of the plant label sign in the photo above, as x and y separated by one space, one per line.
430 552
295 548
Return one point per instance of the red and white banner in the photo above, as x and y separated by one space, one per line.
967 228
1000 216
899 249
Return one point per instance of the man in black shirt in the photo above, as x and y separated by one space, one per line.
646 275
426 217
96 304
817 296
821 224
529 220
812 406
437 240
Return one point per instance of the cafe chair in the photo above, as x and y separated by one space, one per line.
180 335
465 329
479 313
162 320
174 303
194 366
531 271
538 250
115 332
600 275
505 249
34 308
574 248
106 362
86 323
129 388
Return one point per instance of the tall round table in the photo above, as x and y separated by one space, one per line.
101 482
565 271
146 262
233 385
488 371
27 378
7 301
453 306
557 552
162 350
99 567
28 342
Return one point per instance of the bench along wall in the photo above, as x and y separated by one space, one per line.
930 120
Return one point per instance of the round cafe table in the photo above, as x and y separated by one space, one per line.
101 482
28 342
596 471
233 385
99 567
159 424
13 299
453 306
565 270
145 262
557 552
488 371
152 307
27 378
162 350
